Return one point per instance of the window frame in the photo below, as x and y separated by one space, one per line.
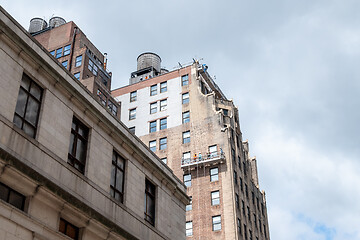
217 223
153 107
67 50
29 97
186 119
186 139
133 96
163 105
101 96
77 74
187 182
185 80
152 126
115 166
132 114
163 123
65 64
189 231
152 148
189 206
163 145
9 199
215 175
150 194
215 200
185 98
113 108
162 87
59 53
65 228
153 90
72 158
78 61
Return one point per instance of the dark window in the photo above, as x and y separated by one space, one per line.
28 106
235 178
260 224
65 64
257 203
265 231
133 96
164 160
78 61
214 174
241 185
239 162
58 52
152 126
78 145
68 229
250 234
262 209
163 123
189 228
185 80
152 145
149 202
185 98
163 87
233 155
77 75
189 206
153 107
187 180
101 97
186 137
163 143
237 201
253 197
245 232
132 130
153 90
215 198
186 117
216 223
243 206
244 168
239 225
163 105
248 213
67 50
11 196
255 222
92 67
246 191
52 52
226 112
132 114
117 177
113 108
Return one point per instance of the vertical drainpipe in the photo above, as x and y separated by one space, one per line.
72 48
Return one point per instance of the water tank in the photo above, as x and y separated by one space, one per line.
149 59
37 24
56 21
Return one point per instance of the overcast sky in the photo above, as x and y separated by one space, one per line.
291 67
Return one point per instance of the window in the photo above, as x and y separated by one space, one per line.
216 223
163 105
235 178
153 107
246 191
243 206
153 90
92 67
215 198
185 80
189 206
255 222
68 229
185 98
163 87
257 203
239 225
186 137
265 231
260 224
163 143
133 96
250 235
58 52
152 145
262 209
152 126
239 162
78 145
132 114
244 168
163 123
11 196
65 64
253 197
214 174
117 177
52 52
233 155
245 232
212 151
67 50
132 130
237 201
28 106
186 156
189 228
248 213
113 108
186 117
187 180
164 160
77 75
149 202
241 185
78 61
101 97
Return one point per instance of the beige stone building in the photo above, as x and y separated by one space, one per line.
189 123
69 169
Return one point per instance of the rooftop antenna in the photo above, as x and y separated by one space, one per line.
180 65
105 62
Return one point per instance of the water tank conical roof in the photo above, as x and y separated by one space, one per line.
56 21
37 24
149 59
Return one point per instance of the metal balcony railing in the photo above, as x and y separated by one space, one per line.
206 158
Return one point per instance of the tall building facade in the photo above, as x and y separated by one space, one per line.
69 169
184 118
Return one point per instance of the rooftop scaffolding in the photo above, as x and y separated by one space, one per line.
209 158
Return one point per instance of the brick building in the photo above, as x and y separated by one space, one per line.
184 117
69 169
